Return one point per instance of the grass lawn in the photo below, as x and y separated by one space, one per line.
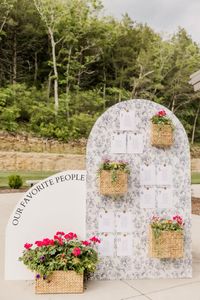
196 178
26 175
41 175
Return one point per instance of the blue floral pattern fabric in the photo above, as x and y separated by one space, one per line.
138 264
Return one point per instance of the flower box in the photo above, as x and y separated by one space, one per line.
61 262
166 238
113 177
108 186
161 130
161 135
168 245
60 282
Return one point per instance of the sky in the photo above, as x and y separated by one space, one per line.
164 16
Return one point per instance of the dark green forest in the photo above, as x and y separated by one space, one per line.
62 64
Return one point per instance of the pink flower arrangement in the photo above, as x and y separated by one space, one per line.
161 118
159 224
64 251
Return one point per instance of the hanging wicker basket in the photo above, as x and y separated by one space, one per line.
108 186
60 282
161 135
169 244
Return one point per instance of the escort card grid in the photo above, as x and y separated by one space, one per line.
158 184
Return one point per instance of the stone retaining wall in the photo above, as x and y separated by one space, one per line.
195 164
10 161
24 143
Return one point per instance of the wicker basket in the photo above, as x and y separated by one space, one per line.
60 282
161 135
168 245
109 187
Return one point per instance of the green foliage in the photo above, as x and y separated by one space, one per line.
114 167
15 181
81 125
8 119
100 62
63 252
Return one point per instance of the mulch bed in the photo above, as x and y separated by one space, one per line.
195 201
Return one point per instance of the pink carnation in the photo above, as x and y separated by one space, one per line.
95 239
86 243
60 233
161 113
70 236
178 219
47 242
59 239
76 251
39 243
28 246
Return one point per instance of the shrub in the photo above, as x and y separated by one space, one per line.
82 124
8 118
15 181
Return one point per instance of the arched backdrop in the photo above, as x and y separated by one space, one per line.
124 254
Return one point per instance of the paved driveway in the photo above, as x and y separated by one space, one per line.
157 289
196 190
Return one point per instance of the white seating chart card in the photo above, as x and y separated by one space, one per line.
165 198
118 143
124 222
106 247
124 245
164 175
106 222
127 120
147 174
135 143
148 197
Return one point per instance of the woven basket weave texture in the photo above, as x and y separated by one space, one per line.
161 135
168 245
60 282
109 187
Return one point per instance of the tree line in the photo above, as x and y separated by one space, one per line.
62 64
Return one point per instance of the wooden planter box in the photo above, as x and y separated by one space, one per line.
60 282
161 135
109 187
168 245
